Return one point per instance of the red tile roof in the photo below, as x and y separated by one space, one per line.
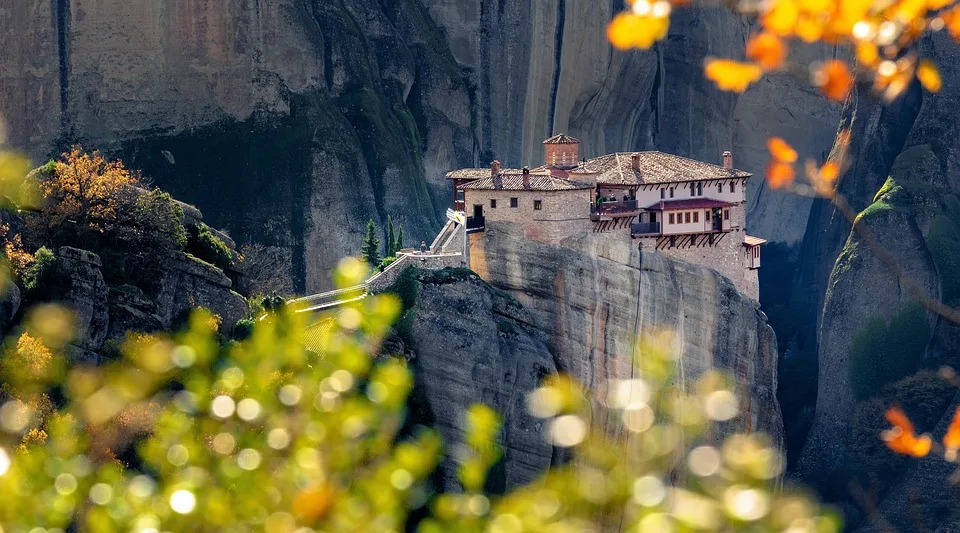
656 167
514 182
478 173
692 203
561 139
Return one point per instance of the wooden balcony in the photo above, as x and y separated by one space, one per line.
618 208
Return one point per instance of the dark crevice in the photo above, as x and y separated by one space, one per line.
557 59
61 9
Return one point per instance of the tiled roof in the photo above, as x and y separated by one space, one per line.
750 240
478 173
514 182
561 139
656 167
692 203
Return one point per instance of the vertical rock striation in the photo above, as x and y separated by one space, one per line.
594 295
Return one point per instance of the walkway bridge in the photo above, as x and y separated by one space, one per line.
444 252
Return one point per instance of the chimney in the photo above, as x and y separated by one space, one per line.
494 168
728 160
526 178
635 160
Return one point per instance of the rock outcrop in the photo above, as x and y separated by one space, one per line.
190 283
594 295
293 122
474 344
86 295
904 174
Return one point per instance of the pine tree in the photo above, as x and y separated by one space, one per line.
391 238
399 240
370 249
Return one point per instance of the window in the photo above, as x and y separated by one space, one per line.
696 216
671 218
733 186
706 215
699 189
693 190
513 202
726 214
720 188
663 193
671 192
537 205
686 217
493 203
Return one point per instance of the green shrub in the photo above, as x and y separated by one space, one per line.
407 287
882 352
448 275
205 245
385 262
43 278
924 396
243 329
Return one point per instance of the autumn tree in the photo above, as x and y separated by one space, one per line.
86 188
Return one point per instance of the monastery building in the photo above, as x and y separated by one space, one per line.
690 210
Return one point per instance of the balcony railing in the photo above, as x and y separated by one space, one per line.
615 207
475 223
645 228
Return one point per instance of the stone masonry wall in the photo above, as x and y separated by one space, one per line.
386 278
563 214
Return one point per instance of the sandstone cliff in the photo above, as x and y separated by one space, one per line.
904 177
593 295
474 344
293 122
573 309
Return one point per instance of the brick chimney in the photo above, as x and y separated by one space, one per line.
526 178
728 160
635 160
494 168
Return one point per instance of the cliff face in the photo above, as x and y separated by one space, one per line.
474 344
903 180
293 122
594 295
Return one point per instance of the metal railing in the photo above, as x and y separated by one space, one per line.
645 228
618 206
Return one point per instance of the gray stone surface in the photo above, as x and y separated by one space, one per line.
473 344
86 295
593 296
131 310
190 283
10 299
372 114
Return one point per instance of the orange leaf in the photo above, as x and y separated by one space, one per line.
313 503
780 174
899 419
867 54
629 30
929 76
732 75
951 441
834 79
767 50
952 21
781 18
781 150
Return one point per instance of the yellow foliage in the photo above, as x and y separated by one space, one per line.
929 76
630 30
85 187
732 75
32 356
